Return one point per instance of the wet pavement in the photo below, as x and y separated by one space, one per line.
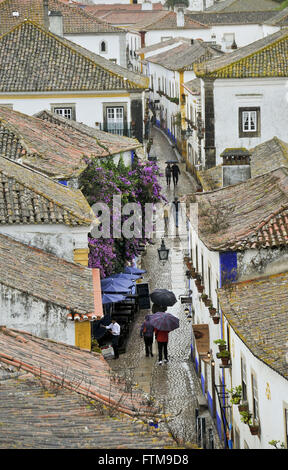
174 385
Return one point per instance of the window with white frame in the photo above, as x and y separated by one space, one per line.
228 39
65 110
243 379
249 122
115 120
255 396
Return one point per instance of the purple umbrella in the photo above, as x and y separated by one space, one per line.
164 321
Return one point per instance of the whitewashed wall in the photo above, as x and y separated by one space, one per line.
89 109
231 94
57 239
115 45
25 312
272 396
155 36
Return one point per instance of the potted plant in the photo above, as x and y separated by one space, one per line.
212 311
208 302
254 427
221 344
236 395
224 356
246 417
215 319
243 407
204 297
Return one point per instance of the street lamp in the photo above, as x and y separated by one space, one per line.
163 252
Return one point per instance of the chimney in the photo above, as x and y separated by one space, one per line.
46 13
56 22
235 166
147 5
180 18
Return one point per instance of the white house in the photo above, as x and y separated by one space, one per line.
70 21
43 213
169 65
69 80
239 234
254 322
46 295
236 28
240 92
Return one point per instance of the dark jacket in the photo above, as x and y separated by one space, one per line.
175 170
168 171
146 329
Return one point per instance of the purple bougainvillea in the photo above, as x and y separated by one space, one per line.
99 183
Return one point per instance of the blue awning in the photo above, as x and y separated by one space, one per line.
132 270
112 298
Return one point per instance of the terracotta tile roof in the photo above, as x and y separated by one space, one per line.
62 419
194 85
184 56
167 20
75 20
73 370
267 156
123 17
257 311
244 5
46 277
266 57
235 17
28 197
71 67
253 214
54 145
98 9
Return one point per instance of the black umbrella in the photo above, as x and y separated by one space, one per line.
172 161
163 297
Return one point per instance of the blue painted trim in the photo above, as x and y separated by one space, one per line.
203 384
64 182
196 364
228 266
210 403
219 425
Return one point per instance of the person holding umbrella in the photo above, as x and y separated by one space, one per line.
168 173
147 332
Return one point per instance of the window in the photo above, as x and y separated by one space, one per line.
255 397
115 120
249 122
103 46
65 110
243 379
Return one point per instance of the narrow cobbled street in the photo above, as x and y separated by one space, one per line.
173 385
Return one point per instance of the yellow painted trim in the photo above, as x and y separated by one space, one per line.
84 95
81 256
83 335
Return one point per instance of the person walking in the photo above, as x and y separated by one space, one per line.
176 204
162 342
168 173
147 332
175 173
166 218
114 328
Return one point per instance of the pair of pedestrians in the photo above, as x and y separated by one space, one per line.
147 333
174 172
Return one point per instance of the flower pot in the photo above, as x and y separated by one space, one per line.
254 429
193 275
200 289
243 407
236 399
221 347
208 303
215 320
225 360
212 311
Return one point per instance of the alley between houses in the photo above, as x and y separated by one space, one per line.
174 385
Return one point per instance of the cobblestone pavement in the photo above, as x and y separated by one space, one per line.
175 384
